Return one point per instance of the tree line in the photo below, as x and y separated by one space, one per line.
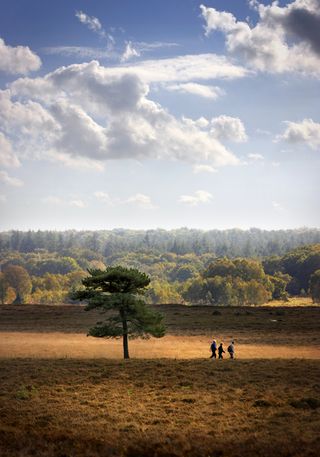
43 276
229 243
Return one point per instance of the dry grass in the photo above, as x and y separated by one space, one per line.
68 345
294 325
159 408
65 395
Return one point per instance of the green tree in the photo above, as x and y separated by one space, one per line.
280 281
18 278
119 290
315 286
3 288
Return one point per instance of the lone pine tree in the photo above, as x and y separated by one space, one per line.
118 292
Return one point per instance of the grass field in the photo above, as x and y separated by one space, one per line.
65 395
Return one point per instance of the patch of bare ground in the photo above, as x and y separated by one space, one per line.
159 408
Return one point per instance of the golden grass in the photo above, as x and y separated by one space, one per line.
287 326
63 394
60 345
159 408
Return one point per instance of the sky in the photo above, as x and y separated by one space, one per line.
148 114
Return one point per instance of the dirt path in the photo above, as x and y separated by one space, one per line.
61 345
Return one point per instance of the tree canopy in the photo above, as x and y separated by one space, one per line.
117 292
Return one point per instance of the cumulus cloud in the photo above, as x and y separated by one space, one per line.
142 201
211 92
10 180
91 113
228 128
307 132
285 38
129 52
19 59
7 157
200 196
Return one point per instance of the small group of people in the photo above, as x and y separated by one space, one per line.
214 348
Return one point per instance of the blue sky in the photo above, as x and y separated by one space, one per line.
159 114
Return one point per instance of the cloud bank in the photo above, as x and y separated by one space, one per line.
284 39
88 114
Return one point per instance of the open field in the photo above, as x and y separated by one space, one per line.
74 345
294 325
159 408
65 395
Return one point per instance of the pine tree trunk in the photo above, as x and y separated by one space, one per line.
125 346
125 335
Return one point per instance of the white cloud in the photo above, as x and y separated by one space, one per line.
10 180
95 25
200 196
78 203
255 157
19 59
92 22
204 168
228 128
183 69
283 39
3 198
142 201
103 197
129 52
306 131
7 157
91 113
211 92
275 164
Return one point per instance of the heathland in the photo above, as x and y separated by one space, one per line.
65 394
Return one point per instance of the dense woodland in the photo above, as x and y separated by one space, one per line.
231 267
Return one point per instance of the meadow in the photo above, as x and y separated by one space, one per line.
64 395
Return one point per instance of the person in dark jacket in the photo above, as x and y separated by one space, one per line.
213 348
221 351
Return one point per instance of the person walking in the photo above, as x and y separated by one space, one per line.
213 348
231 350
221 351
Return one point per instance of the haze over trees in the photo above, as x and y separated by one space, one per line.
230 243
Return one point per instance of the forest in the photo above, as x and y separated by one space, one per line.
231 267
